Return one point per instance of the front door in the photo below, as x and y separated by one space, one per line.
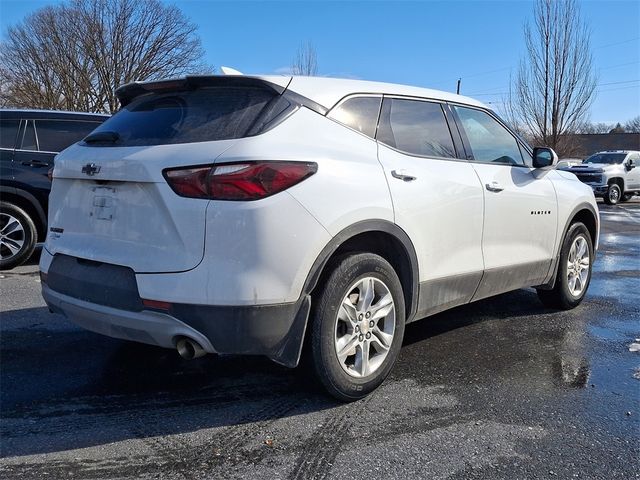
520 206
633 172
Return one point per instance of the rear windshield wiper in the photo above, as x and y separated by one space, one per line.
100 137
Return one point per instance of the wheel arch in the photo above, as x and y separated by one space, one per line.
375 236
587 214
617 180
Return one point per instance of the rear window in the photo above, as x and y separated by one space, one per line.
56 135
202 115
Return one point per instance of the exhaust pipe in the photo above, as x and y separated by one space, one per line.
189 349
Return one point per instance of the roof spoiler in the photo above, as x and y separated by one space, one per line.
128 92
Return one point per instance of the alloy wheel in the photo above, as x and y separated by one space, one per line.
365 327
578 263
12 236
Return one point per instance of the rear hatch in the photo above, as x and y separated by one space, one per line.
109 200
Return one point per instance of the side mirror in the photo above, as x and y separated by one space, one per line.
631 165
544 157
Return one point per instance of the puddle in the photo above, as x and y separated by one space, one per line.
606 334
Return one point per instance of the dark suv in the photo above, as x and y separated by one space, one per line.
29 140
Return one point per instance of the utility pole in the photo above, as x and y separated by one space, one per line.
458 88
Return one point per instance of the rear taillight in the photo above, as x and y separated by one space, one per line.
238 181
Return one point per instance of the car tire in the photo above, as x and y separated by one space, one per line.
357 325
17 236
574 270
613 194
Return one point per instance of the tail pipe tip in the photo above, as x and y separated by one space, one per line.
189 349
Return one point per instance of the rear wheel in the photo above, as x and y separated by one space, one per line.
17 236
358 325
613 194
574 270
626 197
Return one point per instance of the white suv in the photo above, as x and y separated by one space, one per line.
258 215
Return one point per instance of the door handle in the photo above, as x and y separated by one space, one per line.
35 163
400 175
494 187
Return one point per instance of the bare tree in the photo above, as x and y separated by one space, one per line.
633 125
306 61
73 56
593 128
555 83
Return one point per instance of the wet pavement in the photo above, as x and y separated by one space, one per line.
502 388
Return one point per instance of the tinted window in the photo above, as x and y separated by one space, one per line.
212 113
8 132
490 142
56 135
415 127
359 113
606 158
29 137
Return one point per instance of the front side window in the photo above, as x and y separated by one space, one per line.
415 127
8 132
359 113
56 135
490 142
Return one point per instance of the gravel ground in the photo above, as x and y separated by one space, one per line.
502 389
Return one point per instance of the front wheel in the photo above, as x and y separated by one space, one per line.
358 325
613 194
574 270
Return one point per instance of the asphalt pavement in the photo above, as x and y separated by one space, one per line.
499 389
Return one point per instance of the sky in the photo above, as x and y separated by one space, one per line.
424 43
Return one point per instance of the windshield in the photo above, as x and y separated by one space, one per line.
606 158
205 114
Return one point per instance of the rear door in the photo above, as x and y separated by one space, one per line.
520 206
8 135
437 199
39 141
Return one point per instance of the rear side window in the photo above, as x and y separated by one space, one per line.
56 135
416 127
202 115
359 113
29 137
8 132
490 142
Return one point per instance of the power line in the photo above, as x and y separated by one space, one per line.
617 83
484 94
617 43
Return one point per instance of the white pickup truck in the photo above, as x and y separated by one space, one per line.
614 175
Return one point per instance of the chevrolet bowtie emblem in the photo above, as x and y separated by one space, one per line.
91 169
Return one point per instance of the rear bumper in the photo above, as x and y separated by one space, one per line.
275 331
145 326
